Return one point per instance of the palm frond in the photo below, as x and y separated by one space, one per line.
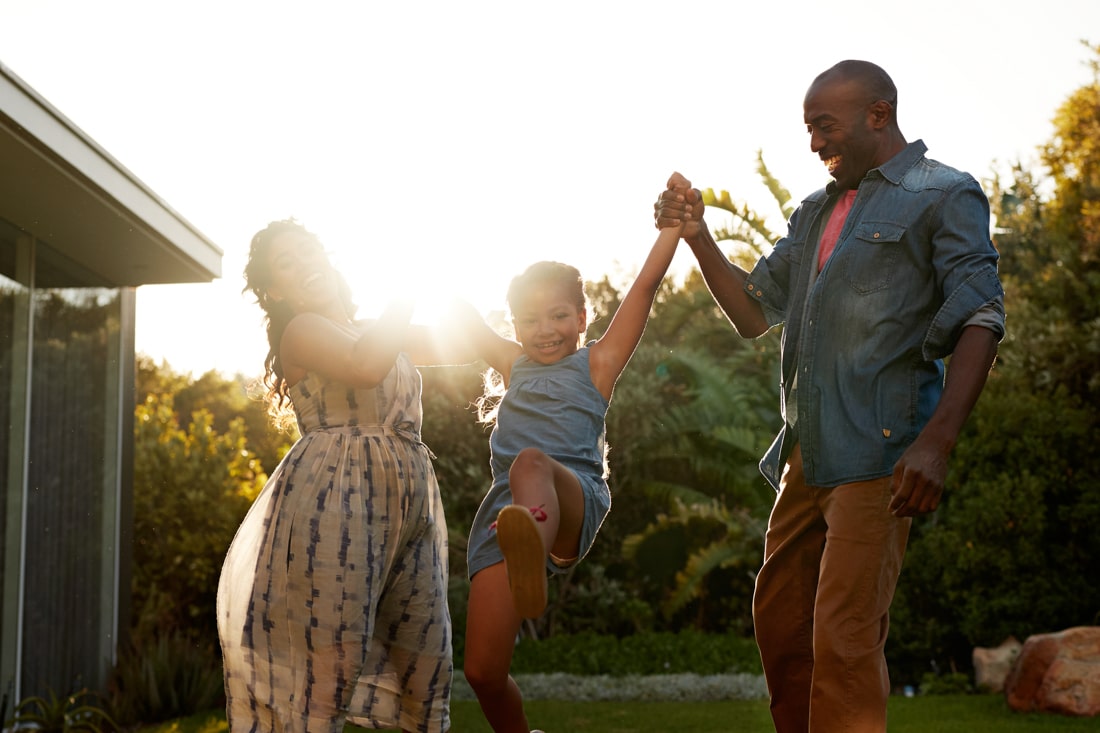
689 581
781 195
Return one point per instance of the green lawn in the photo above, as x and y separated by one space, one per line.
930 714
938 714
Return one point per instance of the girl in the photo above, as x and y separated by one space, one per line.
549 493
332 603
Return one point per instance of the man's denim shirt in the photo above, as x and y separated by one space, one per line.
867 336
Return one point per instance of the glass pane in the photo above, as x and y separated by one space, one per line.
72 453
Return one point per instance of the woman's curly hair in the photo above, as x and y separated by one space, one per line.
278 313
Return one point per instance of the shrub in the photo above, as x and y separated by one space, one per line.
167 678
955 683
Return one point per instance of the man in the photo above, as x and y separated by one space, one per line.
882 274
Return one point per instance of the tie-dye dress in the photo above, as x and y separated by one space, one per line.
332 602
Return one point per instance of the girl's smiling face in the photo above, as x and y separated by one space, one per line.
548 324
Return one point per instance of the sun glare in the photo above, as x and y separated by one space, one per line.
432 276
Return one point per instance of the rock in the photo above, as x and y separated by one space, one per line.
992 664
1058 673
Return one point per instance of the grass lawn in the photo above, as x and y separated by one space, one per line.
929 714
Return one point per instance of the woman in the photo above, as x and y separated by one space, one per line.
332 603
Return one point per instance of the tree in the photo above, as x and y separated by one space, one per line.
192 487
224 399
1013 548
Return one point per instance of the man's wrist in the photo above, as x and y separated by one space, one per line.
702 238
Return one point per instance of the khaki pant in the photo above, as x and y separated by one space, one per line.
821 606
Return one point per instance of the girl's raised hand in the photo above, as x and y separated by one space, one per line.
676 182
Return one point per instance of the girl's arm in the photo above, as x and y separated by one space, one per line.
464 337
440 345
611 353
359 358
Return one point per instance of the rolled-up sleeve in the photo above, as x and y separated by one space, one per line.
765 289
966 263
769 283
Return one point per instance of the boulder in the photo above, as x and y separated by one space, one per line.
1058 673
992 664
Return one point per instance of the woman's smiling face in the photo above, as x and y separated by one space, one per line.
300 272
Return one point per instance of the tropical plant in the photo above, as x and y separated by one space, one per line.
166 678
708 412
80 711
748 227
703 554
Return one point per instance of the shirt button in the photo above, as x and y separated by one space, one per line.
876 235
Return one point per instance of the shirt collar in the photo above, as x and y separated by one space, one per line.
894 169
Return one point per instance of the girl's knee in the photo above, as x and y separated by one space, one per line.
530 459
484 678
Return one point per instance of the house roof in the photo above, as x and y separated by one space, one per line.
59 186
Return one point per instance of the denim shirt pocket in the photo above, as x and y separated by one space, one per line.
870 256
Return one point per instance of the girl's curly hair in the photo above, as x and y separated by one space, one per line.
540 274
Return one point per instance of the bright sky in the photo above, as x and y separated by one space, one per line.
442 146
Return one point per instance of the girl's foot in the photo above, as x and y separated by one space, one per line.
524 557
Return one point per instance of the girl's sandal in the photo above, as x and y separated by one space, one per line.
524 557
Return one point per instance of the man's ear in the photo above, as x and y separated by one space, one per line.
881 113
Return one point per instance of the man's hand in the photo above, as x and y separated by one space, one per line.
919 476
679 204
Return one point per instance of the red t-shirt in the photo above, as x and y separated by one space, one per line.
833 227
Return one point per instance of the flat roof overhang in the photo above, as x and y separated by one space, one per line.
59 186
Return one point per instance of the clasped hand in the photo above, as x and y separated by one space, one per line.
679 205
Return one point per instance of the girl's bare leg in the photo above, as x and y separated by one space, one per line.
491 627
537 480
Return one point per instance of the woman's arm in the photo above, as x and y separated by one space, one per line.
360 357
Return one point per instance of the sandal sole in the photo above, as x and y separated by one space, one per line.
525 559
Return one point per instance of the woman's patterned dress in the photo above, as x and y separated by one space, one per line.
332 602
